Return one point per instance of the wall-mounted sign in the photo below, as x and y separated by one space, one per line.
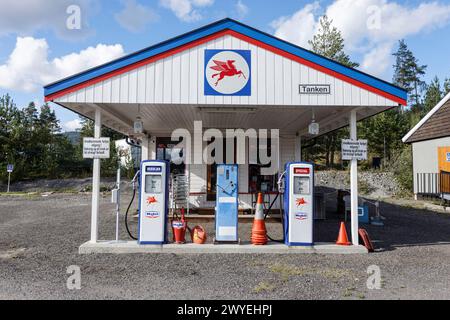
354 149
448 156
10 168
228 73
315 89
96 148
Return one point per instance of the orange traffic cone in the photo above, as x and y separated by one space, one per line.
259 232
342 238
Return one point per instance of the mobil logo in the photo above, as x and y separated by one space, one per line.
153 169
301 171
227 72
152 214
301 216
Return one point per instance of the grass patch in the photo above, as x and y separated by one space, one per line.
65 190
348 292
333 273
287 271
264 286
27 195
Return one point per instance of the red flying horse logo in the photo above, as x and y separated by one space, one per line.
151 200
300 201
226 69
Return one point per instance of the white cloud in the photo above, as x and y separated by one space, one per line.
25 17
241 9
378 59
186 10
202 3
298 28
369 27
72 125
28 67
135 17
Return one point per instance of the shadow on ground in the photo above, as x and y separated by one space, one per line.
404 225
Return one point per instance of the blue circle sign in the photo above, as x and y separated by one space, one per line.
228 73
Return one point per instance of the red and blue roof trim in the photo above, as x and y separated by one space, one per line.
217 30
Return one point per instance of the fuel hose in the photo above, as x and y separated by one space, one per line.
282 220
126 215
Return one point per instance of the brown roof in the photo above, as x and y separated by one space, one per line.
437 126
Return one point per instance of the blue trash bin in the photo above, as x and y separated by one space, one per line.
363 214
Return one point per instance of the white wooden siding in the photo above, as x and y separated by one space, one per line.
179 79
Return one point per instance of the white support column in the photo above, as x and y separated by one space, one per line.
144 149
152 148
298 148
96 181
354 183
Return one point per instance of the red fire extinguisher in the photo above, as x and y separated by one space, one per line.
179 229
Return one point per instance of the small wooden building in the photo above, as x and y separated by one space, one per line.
430 140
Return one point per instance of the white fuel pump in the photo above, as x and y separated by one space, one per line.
299 204
153 202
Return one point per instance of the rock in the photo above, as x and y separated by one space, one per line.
371 183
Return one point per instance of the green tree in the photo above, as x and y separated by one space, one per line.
446 86
433 95
384 132
408 73
31 140
48 131
329 43
10 119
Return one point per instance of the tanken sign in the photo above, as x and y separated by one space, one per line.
354 149
228 73
94 148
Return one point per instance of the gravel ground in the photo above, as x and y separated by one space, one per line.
39 239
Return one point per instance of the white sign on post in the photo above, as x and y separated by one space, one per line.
94 148
354 149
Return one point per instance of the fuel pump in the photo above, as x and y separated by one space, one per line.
153 202
227 204
299 204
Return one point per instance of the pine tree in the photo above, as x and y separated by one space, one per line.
329 43
408 74
433 95
446 86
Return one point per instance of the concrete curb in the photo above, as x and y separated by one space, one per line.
127 247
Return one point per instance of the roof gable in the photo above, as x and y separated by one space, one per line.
213 31
436 124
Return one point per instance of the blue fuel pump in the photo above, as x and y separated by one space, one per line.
227 204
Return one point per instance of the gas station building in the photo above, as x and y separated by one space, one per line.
229 76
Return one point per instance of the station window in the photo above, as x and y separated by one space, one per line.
164 151
258 182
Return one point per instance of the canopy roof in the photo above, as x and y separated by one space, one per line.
164 85
212 31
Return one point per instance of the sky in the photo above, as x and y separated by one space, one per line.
42 41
